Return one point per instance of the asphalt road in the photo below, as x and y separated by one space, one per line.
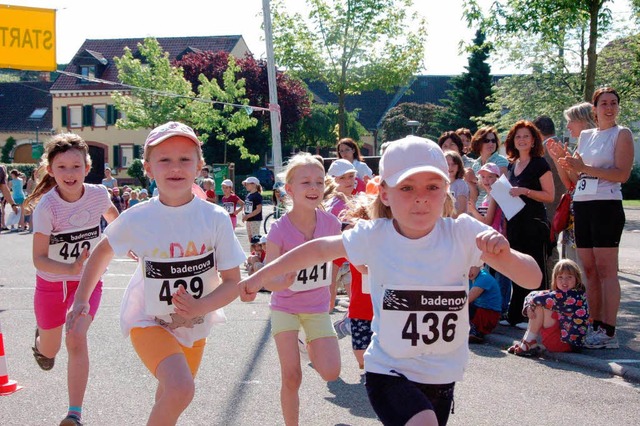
238 382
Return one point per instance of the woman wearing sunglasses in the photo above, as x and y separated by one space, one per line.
484 145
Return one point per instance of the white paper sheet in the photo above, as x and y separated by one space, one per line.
500 192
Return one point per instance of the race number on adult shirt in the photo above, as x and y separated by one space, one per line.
416 322
315 276
586 185
66 247
162 277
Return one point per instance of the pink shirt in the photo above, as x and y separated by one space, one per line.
287 237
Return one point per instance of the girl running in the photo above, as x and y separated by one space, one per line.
252 206
185 274
66 222
230 201
304 301
417 261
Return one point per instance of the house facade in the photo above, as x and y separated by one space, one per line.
86 108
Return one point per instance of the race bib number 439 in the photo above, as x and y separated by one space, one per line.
67 247
419 322
163 277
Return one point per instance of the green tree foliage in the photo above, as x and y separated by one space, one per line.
394 124
136 171
8 146
162 94
350 45
320 128
554 34
471 90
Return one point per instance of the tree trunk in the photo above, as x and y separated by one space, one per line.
592 56
342 122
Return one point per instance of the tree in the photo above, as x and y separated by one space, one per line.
471 90
293 97
394 124
136 171
8 146
350 45
160 93
320 128
531 29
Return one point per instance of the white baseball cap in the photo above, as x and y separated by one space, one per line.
167 130
251 179
411 155
227 182
340 167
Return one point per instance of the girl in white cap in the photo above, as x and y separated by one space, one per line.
230 201
418 263
185 274
252 206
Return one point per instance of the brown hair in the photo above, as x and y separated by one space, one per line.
58 144
463 131
454 138
537 150
478 138
567 265
351 144
457 160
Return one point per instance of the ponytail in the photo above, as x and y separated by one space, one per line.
42 187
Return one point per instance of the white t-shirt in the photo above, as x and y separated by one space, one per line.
70 226
175 232
442 259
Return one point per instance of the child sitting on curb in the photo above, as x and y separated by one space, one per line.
484 303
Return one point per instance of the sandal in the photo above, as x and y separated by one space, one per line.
45 363
525 348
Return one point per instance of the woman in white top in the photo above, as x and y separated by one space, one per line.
601 163
348 150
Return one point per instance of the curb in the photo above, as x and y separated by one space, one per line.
630 374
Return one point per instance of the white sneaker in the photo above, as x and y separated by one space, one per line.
522 325
600 340
504 322
343 327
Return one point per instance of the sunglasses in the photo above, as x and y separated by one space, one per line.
489 140
343 151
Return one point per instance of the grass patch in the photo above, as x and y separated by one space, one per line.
631 203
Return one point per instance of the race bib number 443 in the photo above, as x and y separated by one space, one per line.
419 322
67 247
163 277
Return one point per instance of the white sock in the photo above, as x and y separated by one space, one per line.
530 336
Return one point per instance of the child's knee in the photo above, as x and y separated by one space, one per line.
180 391
292 379
76 340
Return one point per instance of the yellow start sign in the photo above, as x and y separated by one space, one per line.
27 38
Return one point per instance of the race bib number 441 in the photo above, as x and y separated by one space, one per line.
163 277
419 322
67 247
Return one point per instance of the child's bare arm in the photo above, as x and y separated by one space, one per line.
189 307
519 267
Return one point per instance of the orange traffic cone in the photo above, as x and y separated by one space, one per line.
7 387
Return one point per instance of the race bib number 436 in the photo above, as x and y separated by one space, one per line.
163 277
419 322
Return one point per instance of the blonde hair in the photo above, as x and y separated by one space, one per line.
582 112
378 210
571 267
58 144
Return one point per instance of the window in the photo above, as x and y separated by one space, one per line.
75 116
99 115
88 71
126 155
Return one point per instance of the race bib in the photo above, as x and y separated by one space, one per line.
162 277
366 284
586 185
248 207
66 247
229 207
313 277
415 322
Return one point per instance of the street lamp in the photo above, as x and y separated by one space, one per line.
414 125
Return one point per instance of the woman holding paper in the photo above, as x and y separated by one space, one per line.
602 162
532 181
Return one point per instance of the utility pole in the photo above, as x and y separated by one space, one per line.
274 108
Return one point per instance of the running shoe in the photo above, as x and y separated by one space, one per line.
343 327
600 340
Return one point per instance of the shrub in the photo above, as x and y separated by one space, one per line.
631 188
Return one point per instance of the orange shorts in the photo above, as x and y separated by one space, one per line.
155 344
